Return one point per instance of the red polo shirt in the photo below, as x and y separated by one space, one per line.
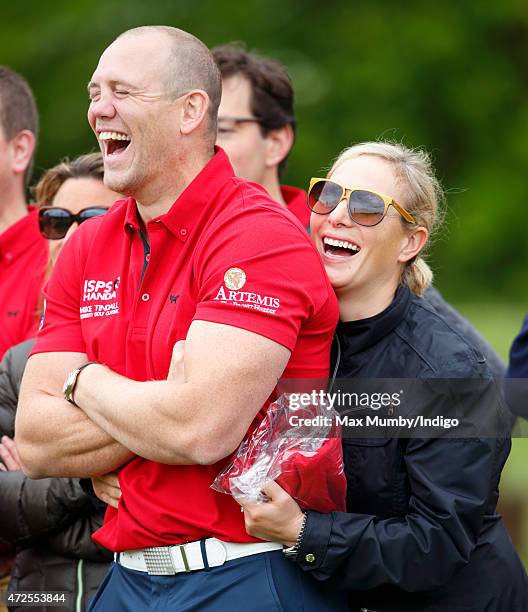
23 260
225 252
297 202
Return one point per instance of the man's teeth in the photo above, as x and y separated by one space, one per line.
113 136
342 244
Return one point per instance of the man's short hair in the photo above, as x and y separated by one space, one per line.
18 110
271 88
191 66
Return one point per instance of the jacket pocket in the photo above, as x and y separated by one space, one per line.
376 476
366 441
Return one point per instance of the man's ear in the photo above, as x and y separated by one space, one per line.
22 146
278 144
413 242
194 110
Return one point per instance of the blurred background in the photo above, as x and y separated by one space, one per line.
449 76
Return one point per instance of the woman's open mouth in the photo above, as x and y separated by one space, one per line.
340 248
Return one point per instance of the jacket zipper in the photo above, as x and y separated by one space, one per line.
80 586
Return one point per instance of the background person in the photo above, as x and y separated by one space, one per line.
421 530
516 381
256 127
23 252
256 123
51 520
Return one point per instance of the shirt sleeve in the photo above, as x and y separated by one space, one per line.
60 328
260 272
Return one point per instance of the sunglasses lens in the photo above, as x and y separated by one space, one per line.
366 208
54 223
89 213
324 196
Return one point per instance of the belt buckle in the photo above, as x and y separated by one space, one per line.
159 561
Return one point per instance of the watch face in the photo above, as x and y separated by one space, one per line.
68 384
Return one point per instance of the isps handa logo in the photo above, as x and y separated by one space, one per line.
99 298
234 280
100 290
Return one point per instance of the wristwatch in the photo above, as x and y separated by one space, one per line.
71 382
292 551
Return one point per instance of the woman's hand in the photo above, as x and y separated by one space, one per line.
107 488
278 520
9 455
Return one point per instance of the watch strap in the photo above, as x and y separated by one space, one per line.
71 382
292 551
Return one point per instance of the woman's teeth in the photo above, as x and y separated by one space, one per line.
331 245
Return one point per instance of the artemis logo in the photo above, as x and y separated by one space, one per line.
235 278
100 290
248 299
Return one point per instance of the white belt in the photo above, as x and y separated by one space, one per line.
170 560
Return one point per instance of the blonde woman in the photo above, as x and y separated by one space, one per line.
421 531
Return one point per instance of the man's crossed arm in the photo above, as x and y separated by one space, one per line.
229 374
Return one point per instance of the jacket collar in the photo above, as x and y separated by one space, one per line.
357 336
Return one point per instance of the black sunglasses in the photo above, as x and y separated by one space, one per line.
54 222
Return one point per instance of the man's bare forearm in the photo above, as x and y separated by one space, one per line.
138 415
66 442
229 374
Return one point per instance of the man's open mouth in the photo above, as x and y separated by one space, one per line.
340 248
114 142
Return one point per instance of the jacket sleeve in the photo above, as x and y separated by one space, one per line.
516 381
76 539
11 370
464 327
8 397
34 508
449 481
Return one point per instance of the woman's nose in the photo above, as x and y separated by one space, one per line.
340 216
71 230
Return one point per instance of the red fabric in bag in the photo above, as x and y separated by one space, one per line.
306 461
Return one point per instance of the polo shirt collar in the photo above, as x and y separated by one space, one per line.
131 215
21 236
188 208
297 202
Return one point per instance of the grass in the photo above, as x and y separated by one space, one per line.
499 323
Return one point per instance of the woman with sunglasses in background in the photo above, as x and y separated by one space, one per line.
51 520
421 530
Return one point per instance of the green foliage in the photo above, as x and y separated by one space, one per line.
448 76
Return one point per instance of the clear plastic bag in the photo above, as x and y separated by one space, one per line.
299 448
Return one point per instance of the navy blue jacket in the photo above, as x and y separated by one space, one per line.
464 328
421 531
516 383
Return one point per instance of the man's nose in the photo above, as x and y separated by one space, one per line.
103 106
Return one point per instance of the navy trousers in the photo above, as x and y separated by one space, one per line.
266 581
